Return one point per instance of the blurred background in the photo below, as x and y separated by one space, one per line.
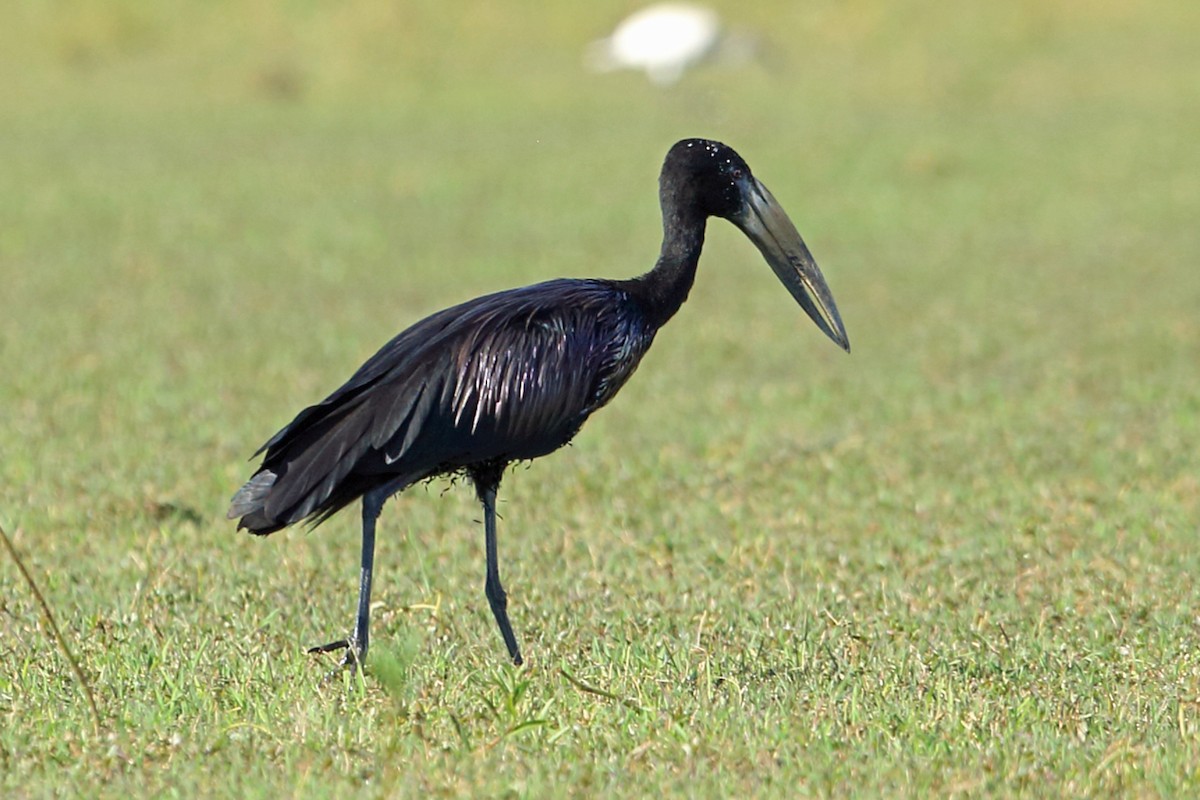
212 211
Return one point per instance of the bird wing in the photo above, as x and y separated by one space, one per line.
504 377
513 377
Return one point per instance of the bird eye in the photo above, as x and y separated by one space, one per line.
737 173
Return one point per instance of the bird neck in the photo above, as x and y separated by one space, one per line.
663 289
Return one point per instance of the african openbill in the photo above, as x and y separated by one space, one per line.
511 376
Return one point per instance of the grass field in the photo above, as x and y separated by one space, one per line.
960 562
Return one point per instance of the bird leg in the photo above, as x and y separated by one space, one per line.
486 484
356 647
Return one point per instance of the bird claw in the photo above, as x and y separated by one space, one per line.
340 644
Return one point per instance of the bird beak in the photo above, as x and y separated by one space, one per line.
768 226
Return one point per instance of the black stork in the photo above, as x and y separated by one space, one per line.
511 376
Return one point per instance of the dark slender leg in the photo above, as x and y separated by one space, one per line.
372 504
485 487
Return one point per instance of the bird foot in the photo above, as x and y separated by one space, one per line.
352 661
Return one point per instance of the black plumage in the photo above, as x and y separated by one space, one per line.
511 376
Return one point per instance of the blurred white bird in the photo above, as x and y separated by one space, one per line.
664 39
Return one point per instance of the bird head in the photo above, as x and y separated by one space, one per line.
718 183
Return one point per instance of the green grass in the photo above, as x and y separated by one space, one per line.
960 562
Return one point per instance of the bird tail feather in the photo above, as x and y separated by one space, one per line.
250 504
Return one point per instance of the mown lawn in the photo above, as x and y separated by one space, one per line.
959 562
